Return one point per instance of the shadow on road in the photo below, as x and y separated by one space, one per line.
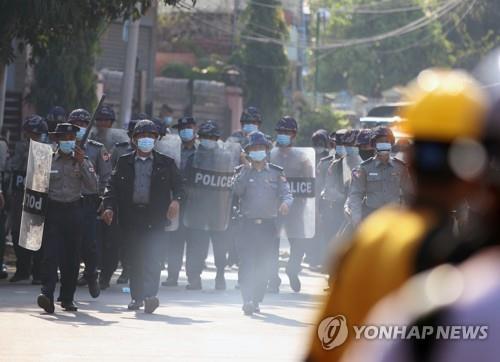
77 318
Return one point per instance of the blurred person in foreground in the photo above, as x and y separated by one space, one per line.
385 250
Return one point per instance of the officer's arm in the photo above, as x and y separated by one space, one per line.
177 184
111 190
104 169
89 177
240 180
285 195
357 193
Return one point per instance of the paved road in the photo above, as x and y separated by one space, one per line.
207 325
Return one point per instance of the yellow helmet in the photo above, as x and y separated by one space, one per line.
445 105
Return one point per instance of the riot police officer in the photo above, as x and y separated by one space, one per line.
113 251
208 202
186 128
71 174
264 194
380 180
27 262
145 189
100 159
299 166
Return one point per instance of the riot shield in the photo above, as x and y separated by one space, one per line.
209 193
35 195
299 167
170 145
109 136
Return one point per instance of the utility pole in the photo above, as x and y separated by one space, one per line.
128 79
316 59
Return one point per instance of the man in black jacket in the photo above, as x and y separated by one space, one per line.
145 189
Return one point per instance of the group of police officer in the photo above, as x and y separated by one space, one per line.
147 196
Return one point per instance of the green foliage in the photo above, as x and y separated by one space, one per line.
265 65
323 117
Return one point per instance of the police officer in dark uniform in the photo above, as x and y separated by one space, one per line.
145 189
100 159
71 174
264 194
27 262
197 248
113 251
55 116
186 127
379 180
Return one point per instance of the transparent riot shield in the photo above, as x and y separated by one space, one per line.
170 145
299 167
209 194
35 195
109 136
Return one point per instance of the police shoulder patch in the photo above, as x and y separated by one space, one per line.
275 167
95 143
356 172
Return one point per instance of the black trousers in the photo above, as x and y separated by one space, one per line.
89 238
145 248
60 247
113 249
255 251
197 251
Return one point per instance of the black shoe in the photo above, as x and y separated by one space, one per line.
103 284
122 279
294 282
256 307
59 299
220 283
194 285
82 281
17 278
94 289
170 283
273 286
36 282
248 308
69 306
135 305
45 303
3 274
150 304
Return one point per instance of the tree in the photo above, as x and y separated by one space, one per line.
374 67
265 64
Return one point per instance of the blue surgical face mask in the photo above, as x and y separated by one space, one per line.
208 144
283 140
67 147
80 133
186 134
258 155
146 144
249 127
168 120
340 150
383 147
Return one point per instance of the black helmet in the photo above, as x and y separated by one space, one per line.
184 121
209 129
382 131
251 114
106 113
79 115
257 138
286 123
145 126
35 124
57 114
320 138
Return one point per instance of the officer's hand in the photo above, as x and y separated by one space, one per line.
79 155
284 209
107 216
2 201
173 210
